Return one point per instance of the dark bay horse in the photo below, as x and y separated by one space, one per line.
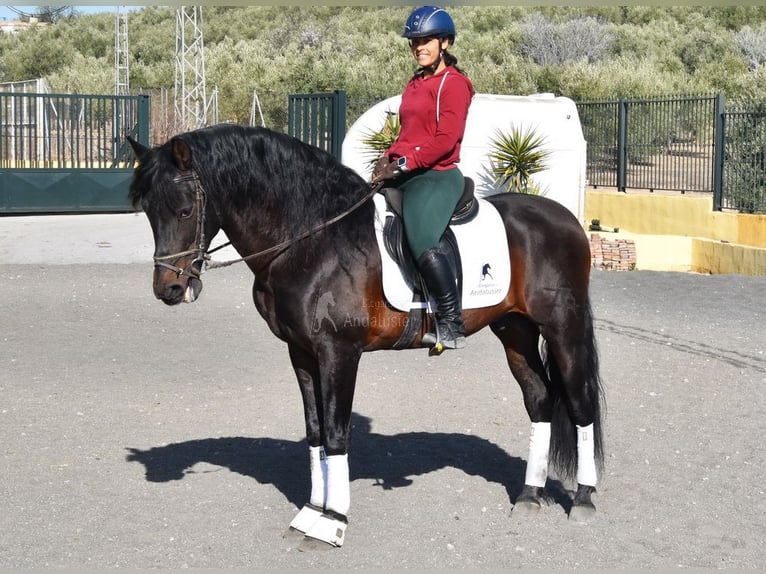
304 224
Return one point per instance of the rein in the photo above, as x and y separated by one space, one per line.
203 256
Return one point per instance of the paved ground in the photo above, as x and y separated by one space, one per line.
67 239
140 435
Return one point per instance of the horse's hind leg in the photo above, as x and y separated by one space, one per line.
573 366
520 338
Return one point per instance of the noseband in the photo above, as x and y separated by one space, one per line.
199 251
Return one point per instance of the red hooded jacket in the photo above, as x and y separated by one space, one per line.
433 114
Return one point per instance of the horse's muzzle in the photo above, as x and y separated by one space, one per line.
172 288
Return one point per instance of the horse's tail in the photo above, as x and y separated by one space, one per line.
563 448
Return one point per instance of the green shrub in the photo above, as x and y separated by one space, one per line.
379 141
515 157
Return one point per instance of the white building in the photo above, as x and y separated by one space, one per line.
14 26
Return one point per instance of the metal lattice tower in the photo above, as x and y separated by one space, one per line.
121 54
189 92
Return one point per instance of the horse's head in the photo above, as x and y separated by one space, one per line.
169 191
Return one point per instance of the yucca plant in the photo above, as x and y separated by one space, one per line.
515 157
378 142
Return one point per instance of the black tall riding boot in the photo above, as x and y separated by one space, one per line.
440 281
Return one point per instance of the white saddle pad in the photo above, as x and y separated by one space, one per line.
484 258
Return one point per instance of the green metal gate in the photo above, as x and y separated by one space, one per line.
68 153
318 119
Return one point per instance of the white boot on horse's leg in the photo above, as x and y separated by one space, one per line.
583 508
533 495
310 513
330 528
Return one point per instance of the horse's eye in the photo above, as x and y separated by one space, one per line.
185 212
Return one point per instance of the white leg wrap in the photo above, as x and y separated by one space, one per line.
318 476
338 486
537 463
586 459
330 490
306 518
329 530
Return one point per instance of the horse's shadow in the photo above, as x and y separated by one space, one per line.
388 460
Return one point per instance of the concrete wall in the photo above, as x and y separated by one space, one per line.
681 232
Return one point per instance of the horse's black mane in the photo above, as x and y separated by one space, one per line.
251 167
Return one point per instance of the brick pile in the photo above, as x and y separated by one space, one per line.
615 254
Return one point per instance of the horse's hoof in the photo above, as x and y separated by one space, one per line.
583 509
526 508
314 545
292 534
531 500
582 513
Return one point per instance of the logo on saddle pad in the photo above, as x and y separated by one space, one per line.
484 256
486 286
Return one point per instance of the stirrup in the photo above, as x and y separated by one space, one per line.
438 345
431 341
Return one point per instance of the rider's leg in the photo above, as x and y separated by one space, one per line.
440 279
429 200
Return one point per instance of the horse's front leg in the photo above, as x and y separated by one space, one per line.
327 388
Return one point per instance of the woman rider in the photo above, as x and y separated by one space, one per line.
422 162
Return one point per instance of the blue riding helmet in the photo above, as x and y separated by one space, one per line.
429 21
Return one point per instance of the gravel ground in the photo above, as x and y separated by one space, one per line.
138 435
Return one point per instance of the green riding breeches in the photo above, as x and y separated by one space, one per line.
429 199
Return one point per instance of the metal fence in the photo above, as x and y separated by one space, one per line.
68 131
744 161
600 129
318 119
679 144
654 144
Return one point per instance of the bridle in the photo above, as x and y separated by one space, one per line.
202 256
199 251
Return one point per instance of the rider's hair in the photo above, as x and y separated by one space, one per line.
451 60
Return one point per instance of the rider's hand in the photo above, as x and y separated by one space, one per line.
385 169
382 162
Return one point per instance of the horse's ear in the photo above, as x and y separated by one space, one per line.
139 149
182 154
